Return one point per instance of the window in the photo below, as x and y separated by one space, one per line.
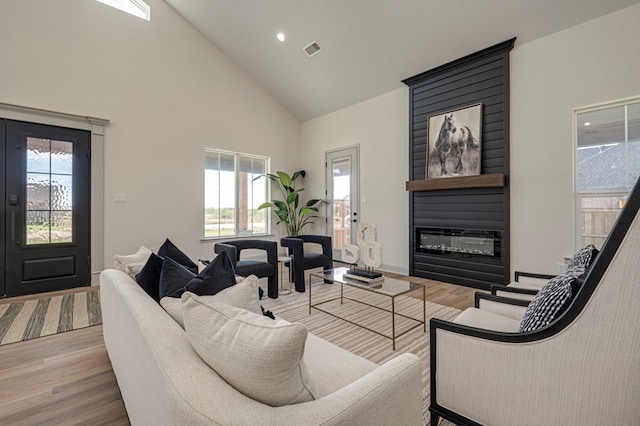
134 7
232 196
607 166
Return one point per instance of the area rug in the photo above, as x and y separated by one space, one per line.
294 307
29 319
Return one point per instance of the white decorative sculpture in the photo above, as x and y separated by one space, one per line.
367 249
350 253
372 255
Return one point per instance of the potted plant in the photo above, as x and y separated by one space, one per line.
289 210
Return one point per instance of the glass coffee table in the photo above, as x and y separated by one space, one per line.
390 287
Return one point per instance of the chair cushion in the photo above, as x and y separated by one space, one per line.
254 267
582 260
261 358
549 302
474 317
314 260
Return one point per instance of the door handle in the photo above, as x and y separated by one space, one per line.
13 225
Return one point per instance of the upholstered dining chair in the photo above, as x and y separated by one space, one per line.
580 368
307 259
259 268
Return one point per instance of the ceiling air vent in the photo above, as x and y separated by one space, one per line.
312 49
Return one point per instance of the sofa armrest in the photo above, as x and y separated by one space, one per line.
507 307
518 275
390 394
514 292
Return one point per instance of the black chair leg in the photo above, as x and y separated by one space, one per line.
272 287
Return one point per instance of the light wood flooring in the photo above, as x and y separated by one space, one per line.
67 378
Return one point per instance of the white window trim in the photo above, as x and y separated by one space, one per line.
577 231
237 183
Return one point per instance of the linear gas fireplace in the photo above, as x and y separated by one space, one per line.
458 243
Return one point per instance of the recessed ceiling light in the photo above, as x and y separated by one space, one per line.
280 36
588 123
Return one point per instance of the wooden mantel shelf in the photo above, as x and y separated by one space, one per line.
493 180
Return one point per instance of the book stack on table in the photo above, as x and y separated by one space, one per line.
364 276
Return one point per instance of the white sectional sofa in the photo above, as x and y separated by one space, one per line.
163 381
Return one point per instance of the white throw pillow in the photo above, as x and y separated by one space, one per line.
260 357
133 262
243 295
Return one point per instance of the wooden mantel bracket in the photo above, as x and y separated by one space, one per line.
492 180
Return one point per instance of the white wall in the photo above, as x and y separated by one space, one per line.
168 94
381 127
590 63
587 64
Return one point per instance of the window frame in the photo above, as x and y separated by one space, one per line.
622 194
140 4
237 181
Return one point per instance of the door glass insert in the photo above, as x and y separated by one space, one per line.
341 169
49 194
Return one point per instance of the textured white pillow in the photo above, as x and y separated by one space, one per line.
139 258
260 357
243 295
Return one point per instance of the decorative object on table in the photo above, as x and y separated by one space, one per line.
371 255
350 253
454 143
289 211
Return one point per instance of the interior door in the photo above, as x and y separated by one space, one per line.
342 177
47 207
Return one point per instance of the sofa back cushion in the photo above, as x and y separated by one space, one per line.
243 295
260 357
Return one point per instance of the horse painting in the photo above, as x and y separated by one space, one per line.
454 143
445 142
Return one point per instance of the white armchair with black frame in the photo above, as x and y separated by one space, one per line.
581 368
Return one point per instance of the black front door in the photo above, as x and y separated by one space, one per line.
46 243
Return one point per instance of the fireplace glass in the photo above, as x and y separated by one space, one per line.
458 242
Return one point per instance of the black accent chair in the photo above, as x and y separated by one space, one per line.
303 260
260 269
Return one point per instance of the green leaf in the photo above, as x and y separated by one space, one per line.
305 211
285 179
293 197
281 205
265 205
313 202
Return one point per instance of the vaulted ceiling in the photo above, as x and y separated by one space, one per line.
368 46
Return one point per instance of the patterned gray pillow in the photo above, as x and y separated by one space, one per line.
549 301
582 260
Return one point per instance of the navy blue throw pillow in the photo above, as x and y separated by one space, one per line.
173 278
149 276
168 249
217 276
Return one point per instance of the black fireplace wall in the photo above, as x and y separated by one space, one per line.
482 77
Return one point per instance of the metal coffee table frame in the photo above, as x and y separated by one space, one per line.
336 276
